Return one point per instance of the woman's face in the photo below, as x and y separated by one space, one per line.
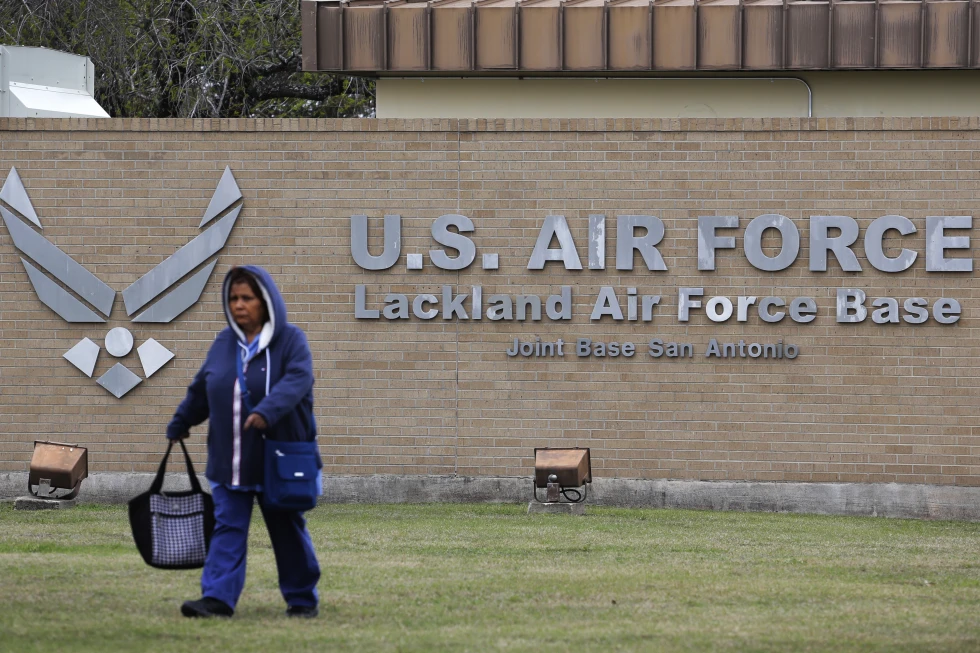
246 308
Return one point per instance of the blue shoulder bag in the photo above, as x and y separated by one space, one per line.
290 475
291 468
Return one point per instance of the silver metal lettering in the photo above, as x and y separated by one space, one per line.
418 306
851 299
685 303
521 304
708 242
459 242
554 227
764 312
887 312
947 311
917 313
647 304
873 249
937 242
360 300
453 306
559 307
821 242
711 309
597 242
500 308
607 304
803 310
753 242
626 242
743 307
396 307
359 242
477 303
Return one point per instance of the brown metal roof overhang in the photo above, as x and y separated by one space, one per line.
511 38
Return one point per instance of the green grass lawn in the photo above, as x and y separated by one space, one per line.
488 577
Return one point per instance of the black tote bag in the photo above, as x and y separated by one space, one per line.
173 530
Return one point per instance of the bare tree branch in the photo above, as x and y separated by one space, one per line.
189 58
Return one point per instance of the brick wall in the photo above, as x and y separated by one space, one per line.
861 403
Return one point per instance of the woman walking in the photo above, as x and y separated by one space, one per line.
256 382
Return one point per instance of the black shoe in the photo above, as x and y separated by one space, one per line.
302 611
206 607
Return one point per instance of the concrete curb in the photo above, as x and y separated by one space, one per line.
100 488
854 499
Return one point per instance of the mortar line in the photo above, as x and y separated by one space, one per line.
456 384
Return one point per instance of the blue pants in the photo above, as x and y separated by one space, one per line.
224 568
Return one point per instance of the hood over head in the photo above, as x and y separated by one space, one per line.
273 301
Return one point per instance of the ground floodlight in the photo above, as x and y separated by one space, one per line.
57 466
564 473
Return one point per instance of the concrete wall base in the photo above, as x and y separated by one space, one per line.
535 508
34 503
855 499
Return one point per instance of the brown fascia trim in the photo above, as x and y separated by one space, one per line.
512 38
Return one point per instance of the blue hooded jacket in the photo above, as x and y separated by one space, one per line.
280 385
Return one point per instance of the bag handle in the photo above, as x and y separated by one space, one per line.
157 484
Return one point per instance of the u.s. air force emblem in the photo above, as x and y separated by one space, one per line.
159 296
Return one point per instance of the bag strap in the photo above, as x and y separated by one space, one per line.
157 484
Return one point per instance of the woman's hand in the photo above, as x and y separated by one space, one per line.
255 421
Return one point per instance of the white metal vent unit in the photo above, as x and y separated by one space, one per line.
43 83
